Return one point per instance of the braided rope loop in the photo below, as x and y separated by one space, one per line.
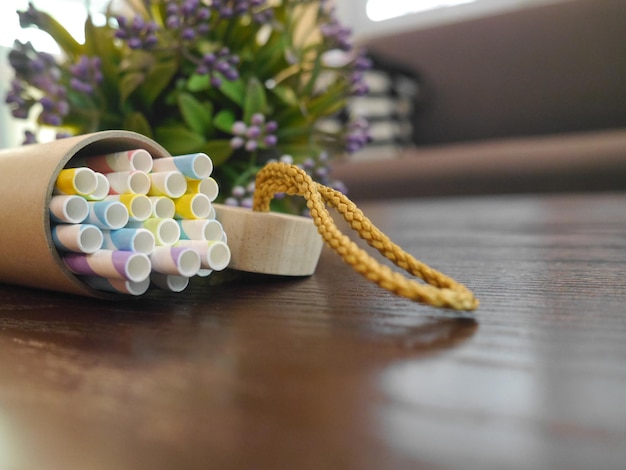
439 290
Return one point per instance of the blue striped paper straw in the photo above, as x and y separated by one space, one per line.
80 238
194 165
126 265
129 239
107 214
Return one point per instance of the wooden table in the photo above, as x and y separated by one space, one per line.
330 372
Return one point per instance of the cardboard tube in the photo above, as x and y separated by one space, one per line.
27 179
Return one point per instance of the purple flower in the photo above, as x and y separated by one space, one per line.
187 18
86 74
257 135
138 34
217 65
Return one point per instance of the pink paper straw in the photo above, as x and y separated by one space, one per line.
179 261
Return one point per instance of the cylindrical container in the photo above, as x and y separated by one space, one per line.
194 165
28 256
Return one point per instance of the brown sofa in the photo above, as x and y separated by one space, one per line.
527 100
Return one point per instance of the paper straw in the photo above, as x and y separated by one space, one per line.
80 238
194 165
139 206
68 209
166 231
136 159
213 254
81 181
169 282
129 239
167 183
127 265
133 181
192 206
162 207
206 186
102 188
107 214
203 272
201 229
119 286
179 261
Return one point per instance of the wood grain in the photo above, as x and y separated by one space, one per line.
329 371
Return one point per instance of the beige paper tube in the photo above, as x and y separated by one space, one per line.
27 176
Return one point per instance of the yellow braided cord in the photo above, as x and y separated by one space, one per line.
439 290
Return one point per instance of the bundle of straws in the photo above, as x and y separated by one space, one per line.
124 221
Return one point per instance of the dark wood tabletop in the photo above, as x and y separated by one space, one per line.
331 372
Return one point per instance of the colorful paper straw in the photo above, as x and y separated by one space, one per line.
194 165
81 181
214 255
119 286
133 181
136 159
162 207
107 214
166 231
167 183
192 206
129 239
68 209
206 186
201 229
139 206
80 238
179 261
169 282
127 265
102 188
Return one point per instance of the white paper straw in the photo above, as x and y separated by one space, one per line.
162 207
201 229
166 231
179 261
133 181
68 209
119 286
169 282
126 265
193 165
102 188
135 159
167 183
214 255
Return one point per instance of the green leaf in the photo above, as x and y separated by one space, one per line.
198 83
255 101
285 94
196 115
326 105
224 120
129 83
236 91
157 80
137 122
179 140
218 150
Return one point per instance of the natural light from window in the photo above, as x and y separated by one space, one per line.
380 10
